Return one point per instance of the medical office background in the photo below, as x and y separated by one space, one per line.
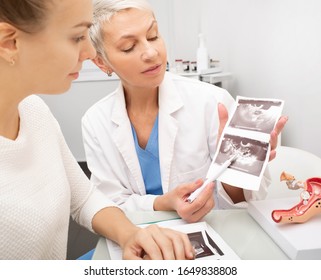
272 48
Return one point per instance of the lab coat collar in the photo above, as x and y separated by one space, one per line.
170 102
119 114
123 139
169 98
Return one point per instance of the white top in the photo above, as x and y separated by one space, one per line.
188 127
41 184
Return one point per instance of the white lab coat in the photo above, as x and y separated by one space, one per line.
188 128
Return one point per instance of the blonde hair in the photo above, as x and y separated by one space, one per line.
104 10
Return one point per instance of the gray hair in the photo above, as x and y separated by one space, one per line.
104 10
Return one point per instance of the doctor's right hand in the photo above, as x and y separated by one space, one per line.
176 200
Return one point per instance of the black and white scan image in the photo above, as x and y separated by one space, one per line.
246 141
257 115
200 247
251 154
207 243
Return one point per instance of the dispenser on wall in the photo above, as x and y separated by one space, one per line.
202 55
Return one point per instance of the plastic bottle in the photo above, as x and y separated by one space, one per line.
193 66
179 65
202 55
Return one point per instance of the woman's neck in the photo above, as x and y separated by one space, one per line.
142 110
9 118
142 102
11 94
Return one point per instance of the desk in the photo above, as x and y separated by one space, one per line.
236 227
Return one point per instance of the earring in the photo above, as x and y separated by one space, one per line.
109 73
12 62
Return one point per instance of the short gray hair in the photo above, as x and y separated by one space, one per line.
104 10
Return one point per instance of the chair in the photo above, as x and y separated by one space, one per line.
300 163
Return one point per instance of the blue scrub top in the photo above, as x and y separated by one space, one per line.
149 161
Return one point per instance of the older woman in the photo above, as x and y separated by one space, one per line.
157 131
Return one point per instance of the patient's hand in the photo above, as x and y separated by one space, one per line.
157 243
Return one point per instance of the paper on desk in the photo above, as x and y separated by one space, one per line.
208 244
247 134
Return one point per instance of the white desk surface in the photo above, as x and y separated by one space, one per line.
236 227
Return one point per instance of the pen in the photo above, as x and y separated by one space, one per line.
223 167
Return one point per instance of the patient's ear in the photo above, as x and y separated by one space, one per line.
8 41
98 60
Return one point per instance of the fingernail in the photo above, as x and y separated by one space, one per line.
191 255
198 181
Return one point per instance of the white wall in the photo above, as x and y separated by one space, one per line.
273 49
69 108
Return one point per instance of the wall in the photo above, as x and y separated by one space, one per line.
273 49
69 108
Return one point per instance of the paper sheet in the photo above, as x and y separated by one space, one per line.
247 134
208 244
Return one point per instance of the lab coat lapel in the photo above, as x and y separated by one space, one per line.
169 102
123 139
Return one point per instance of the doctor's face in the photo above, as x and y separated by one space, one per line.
135 51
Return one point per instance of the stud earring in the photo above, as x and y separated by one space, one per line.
109 73
12 62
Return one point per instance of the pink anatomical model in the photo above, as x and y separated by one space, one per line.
310 200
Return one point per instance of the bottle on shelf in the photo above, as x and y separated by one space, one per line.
202 55
179 65
186 66
193 66
214 63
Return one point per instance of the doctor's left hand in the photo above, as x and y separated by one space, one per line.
176 200
223 117
275 134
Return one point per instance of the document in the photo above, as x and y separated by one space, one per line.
247 135
207 243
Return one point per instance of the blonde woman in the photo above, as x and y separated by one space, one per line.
157 132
